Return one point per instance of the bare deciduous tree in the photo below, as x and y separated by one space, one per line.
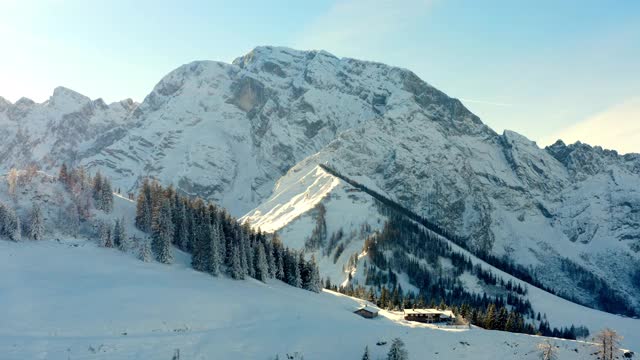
547 351
608 342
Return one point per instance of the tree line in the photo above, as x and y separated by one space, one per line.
402 246
605 298
217 242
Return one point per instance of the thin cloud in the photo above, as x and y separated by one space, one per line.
616 128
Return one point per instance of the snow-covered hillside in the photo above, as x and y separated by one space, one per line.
72 300
234 133
355 214
539 208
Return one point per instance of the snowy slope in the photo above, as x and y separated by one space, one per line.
502 192
356 214
229 132
84 302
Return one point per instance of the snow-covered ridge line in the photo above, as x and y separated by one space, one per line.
291 200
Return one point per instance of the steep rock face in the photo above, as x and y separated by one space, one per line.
228 132
58 130
501 192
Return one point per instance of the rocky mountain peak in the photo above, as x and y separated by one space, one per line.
4 104
67 100
24 102
583 159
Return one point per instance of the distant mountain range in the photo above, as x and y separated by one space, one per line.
252 135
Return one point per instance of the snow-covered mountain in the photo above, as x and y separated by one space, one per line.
229 131
250 135
66 128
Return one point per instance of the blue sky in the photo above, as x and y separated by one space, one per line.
547 69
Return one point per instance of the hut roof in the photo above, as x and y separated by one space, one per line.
368 308
447 313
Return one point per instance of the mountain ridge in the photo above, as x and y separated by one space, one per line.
232 132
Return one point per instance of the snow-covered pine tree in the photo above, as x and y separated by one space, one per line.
242 252
144 253
261 265
97 191
9 223
105 233
116 233
106 195
397 351
120 239
235 270
278 256
72 219
201 238
222 242
314 283
162 233
191 229
144 208
214 251
180 235
251 261
292 268
305 275
36 225
271 263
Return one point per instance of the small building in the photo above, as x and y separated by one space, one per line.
429 316
367 311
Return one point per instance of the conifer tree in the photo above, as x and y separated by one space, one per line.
292 271
36 226
144 209
236 264
162 233
397 350
261 266
181 233
315 283
145 251
214 250
305 275
9 223
97 191
490 317
63 175
106 196
104 232
278 256
271 263
222 242
120 239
